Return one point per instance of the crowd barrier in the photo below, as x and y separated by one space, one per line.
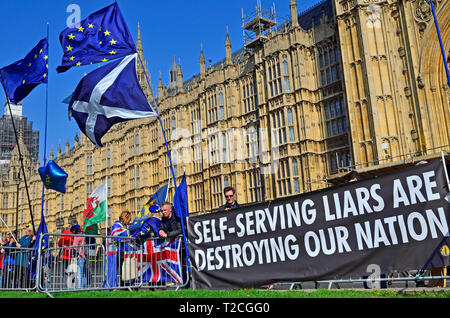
98 263
106 263
15 272
407 279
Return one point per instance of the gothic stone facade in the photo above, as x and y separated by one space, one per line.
348 84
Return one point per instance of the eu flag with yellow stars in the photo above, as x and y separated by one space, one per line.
103 36
21 77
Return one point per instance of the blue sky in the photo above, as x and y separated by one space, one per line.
169 29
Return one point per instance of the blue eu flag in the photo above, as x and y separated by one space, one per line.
21 77
103 36
180 199
145 218
40 236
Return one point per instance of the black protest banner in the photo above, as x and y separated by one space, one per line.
396 222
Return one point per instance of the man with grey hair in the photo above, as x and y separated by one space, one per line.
170 223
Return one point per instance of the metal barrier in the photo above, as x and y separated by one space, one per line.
15 270
89 262
421 278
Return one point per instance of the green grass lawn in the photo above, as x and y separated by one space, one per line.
243 294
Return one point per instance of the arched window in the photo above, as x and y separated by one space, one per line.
294 168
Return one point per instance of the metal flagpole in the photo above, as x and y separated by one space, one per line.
168 154
445 169
440 42
45 126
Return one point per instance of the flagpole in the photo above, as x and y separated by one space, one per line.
168 151
445 169
20 153
45 126
9 230
440 42
107 209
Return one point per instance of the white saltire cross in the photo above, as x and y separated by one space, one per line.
93 107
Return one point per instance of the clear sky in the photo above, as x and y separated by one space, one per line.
169 29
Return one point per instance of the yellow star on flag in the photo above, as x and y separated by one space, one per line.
71 36
46 57
105 60
90 26
29 64
113 42
112 52
69 48
107 33
78 64
40 51
100 43
23 82
72 58
35 56
45 75
81 29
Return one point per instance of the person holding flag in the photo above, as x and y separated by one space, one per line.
170 223
117 247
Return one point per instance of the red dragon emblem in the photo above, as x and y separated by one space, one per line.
91 204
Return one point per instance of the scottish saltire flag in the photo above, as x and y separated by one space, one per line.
109 95
180 199
53 177
21 77
145 222
103 36
161 262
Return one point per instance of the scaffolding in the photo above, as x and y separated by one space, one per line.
256 25
8 139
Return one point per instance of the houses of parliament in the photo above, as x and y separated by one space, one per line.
346 85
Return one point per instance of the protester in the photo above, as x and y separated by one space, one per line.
65 243
170 229
23 256
353 176
230 198
118 246
7 271
170 226
78 243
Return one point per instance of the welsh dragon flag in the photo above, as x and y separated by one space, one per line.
96 208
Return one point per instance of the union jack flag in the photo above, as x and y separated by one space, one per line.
161 262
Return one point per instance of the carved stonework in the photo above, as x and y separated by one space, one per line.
423 12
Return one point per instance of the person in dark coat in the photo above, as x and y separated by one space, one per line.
170 223
231 203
